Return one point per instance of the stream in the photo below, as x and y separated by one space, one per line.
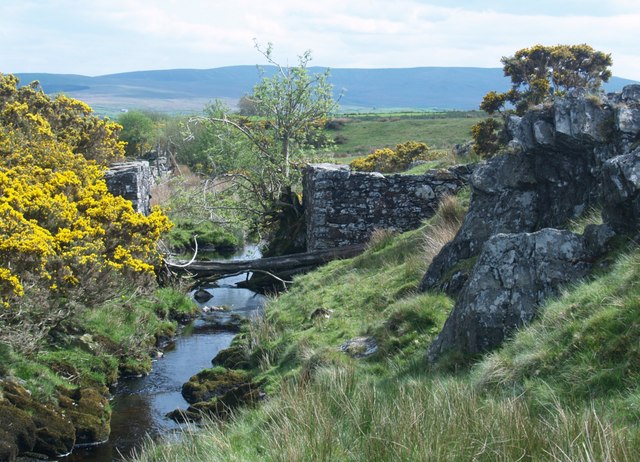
139 404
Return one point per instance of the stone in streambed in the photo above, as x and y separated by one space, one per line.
213 382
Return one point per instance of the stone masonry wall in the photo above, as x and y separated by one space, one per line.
131 180
344 207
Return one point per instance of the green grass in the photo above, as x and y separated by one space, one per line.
565 388
344 417
91 348
586 346
374 294
365 134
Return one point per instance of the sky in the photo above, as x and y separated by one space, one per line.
98 37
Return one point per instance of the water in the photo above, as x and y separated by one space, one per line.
140 404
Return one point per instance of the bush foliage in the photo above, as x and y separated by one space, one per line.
388 160
59 225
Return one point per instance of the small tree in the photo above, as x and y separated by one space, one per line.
137 131
541 72
292 101
290 104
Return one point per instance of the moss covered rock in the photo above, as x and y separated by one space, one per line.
234 357
220 406
88 409
211 383
17 432
54 432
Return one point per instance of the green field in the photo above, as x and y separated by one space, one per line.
364 133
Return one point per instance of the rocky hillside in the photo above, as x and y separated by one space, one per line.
513 250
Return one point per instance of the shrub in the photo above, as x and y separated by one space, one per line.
387 160
486 141
59 225
340 139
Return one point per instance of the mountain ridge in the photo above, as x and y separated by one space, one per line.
421 88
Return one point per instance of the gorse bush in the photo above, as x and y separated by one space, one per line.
388 160
486 139
59 226
538 74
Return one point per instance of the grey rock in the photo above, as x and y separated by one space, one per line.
621 192
513 275
463 150
202 296
555 176
597 238
631 93
579 153
580 116
360 347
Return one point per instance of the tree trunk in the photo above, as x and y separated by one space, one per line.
285 153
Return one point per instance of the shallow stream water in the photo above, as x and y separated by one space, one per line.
140 404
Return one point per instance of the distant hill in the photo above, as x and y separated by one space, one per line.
185 90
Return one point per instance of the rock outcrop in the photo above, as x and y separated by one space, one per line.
513 275
579 153
621 192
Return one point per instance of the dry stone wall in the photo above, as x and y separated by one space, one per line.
343 207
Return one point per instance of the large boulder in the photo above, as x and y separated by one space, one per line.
17 432
89 411
216 393
513 275
54 432
211 383
627 111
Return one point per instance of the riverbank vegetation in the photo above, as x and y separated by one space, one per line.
564 388
79 304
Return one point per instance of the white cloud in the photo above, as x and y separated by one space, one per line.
102 37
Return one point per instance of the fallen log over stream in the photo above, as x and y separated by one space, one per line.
277 267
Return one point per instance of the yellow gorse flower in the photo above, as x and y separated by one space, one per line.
57 218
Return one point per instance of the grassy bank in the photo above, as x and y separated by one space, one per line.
99 344
56 394
563 389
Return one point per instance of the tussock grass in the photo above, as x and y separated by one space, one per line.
444 226
343 416
564 388
592 216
